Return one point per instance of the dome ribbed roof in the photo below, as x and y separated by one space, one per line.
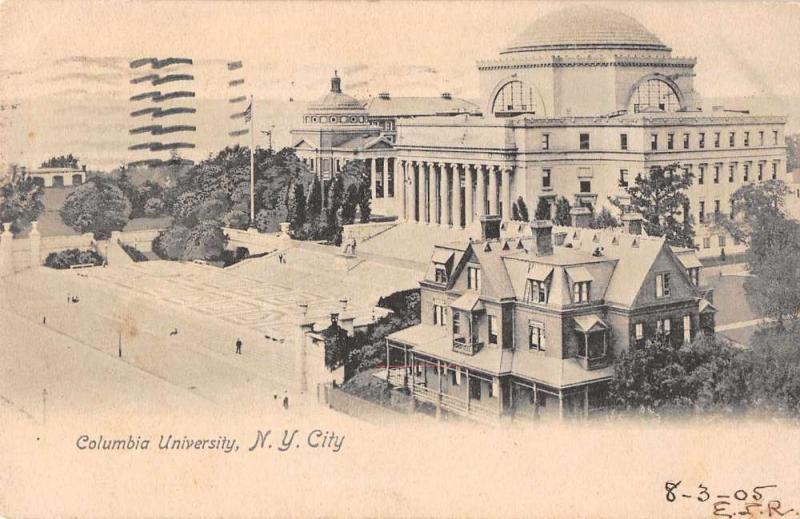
336 100
585 27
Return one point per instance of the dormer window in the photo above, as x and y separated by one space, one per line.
536 290
474 278
442 259
580 292
581 284
694 276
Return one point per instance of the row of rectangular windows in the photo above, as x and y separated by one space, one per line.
584 140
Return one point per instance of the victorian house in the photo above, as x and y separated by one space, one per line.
524 321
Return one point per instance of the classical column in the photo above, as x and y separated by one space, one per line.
400 177
35 239
506 198
420 192
467 195
456 196
480 201
386 177
444 196
373 178
431 193
492 190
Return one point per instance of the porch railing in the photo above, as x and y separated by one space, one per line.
593 362
461 345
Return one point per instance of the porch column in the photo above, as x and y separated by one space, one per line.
444 219
405 365
560 404
492 190
586 345
480 201
506 198
386 177
400 176
439 395
419 191
535 401
431 193
456 196
586 401
469 389
388 363
467 194
373 178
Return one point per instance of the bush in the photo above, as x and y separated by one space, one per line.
154 207
170 243
66 258
134 253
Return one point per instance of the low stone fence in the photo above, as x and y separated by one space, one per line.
141 240
364 231
21 253
344 402
258 242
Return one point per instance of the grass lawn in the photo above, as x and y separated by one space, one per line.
730 300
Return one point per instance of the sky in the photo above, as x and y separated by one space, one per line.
64 64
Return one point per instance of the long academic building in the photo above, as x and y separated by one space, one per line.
577 106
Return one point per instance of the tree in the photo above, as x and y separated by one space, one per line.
542 209
604 219
519 210
774 383
314 205
98 206
335 201
171 242
62 161
350 205
364 201
20 201
660 197
298 213
759 218
663 377
774 287
793 151
206 241
562 216
154 207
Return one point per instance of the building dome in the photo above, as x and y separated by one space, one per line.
585 28
336 101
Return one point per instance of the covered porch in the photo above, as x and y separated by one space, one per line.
593 332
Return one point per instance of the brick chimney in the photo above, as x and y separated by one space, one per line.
490 227
632 223
542 231
581 217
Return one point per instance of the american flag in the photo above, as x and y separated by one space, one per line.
248 114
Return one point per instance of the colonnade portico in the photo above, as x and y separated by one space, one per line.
452 194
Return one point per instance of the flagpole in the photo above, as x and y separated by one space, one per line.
252 168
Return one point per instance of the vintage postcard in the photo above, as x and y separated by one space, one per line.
399 259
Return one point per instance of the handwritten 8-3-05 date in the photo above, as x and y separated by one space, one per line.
758 501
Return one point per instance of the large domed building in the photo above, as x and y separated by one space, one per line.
576 106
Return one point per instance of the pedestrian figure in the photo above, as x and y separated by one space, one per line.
286 402
238 346
44 320
68 298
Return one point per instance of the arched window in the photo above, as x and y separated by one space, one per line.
654 95
513 99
